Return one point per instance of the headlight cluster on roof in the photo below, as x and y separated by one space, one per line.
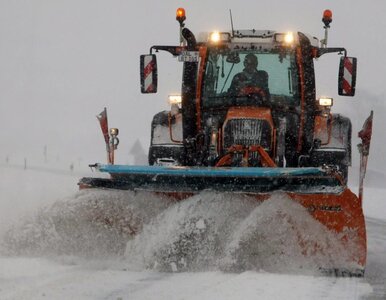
286 39
219 37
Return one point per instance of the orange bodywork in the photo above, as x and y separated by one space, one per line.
299 59
323 128
202 53
340 213
252 112
243 112
226 160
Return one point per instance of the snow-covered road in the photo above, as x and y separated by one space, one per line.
38 278
60 276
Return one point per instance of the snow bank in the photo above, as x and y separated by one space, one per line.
281 235
208 231
212 231
93 223
189 235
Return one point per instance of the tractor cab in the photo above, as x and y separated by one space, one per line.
253 72
250 93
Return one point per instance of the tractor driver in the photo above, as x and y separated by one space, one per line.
250 78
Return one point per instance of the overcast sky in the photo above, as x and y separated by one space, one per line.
63 61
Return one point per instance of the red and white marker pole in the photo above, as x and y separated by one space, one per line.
102 117
364 150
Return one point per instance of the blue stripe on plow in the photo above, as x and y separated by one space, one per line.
210 171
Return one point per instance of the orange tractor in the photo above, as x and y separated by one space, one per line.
248 121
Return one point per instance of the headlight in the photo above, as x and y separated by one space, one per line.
286 39
175 99
289 38
216 37
324 101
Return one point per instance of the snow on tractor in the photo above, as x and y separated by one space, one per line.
248 121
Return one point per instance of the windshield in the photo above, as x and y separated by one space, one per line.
228 72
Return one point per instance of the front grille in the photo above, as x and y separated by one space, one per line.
247 132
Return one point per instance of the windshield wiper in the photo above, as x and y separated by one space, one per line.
226 80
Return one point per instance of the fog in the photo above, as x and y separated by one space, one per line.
62 62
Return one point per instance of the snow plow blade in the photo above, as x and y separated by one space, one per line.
195 179
319 191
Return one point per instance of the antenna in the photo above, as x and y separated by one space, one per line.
233 31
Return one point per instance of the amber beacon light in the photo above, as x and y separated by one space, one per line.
327 17
180 15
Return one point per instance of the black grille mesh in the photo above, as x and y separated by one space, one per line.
247 132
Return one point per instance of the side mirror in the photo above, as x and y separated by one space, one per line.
149 78
347 76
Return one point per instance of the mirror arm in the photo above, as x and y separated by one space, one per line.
173 50
322 51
